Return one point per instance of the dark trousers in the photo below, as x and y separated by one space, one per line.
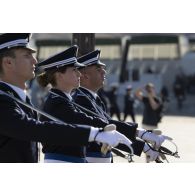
131 114
115 110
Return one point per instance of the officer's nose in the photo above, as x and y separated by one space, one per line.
104 71
78 73
34 59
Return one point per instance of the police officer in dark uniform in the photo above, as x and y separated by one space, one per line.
112 96
19 126
129 104
92 79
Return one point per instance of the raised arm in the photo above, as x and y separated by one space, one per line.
139 94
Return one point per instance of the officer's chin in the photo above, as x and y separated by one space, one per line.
32 76
77 86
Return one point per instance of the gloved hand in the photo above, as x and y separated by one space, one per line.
157 140
150 154
105 147
111 138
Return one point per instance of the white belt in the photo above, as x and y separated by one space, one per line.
98 160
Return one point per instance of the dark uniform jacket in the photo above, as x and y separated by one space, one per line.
84 97
19 127
59 105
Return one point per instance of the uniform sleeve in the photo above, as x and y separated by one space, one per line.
16 124
128 129
65 110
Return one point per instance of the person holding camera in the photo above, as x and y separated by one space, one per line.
152 106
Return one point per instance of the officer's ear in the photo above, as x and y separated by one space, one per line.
84 76
59 75
7 63
83 72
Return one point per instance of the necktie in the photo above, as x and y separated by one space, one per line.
98 101
28 101
101 107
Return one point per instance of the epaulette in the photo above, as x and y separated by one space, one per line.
80 94
77 93
56 97
11 93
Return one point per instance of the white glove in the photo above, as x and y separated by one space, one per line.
151 154
157 140
105 147
112 137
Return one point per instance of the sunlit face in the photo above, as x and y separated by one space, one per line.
152 90
71 78
24 64
96 75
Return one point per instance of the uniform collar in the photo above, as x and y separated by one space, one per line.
91 92
68 95
61 93
21 93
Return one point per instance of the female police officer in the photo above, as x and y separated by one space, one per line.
61 71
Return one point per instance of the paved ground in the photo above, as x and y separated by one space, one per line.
182 129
